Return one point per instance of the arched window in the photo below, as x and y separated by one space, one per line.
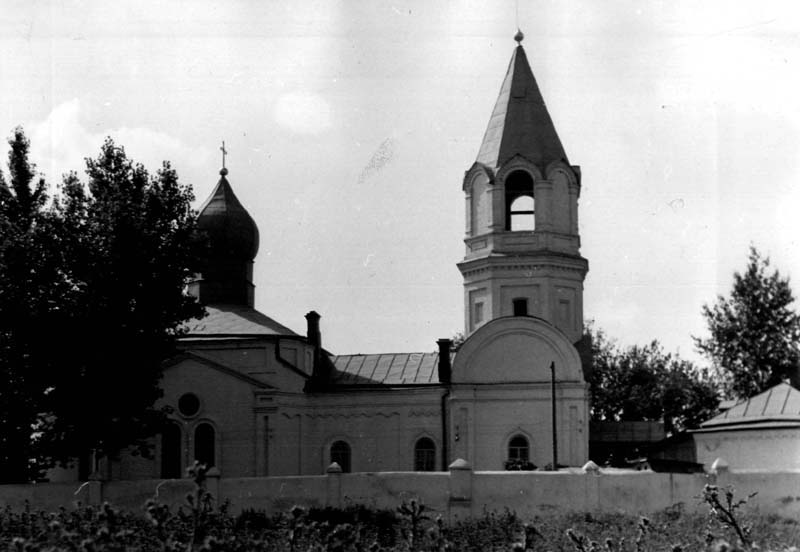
204 444
518 449
425 455
521 214
519 202
171 462
340 453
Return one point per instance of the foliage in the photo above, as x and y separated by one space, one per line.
754 337
458 340
382 522
414 514
518 464
92 298
644 383
128 248
725 510
29 287
161 528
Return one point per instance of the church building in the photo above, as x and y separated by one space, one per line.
253 398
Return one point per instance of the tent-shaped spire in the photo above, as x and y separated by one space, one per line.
520 123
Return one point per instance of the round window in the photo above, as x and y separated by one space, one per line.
189 404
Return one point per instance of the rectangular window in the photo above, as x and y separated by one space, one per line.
564 318
477 314
424 455
520 307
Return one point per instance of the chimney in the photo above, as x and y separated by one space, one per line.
321 368
314 337
444 360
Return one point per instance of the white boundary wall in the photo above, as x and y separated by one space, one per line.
458 493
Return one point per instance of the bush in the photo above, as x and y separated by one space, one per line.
517 464
198 525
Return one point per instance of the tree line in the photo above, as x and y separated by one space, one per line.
93 299
753 344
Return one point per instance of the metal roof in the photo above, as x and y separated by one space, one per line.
386 369
776 407
235 320
231 229
520 123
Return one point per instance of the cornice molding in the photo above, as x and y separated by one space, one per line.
482 265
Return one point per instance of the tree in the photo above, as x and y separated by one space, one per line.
754 334
644 383
28 285
105 308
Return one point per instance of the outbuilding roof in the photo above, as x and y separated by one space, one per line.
778 406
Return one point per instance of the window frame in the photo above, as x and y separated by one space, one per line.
514 450
169 472
426 463
519 183
213 445
524 215
477 313
346 462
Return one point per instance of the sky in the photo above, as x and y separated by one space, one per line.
349 126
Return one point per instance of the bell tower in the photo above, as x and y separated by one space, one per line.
522 244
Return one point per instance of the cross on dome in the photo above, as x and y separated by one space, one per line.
223 171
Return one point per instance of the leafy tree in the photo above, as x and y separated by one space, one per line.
644 383
103 298
458 340
754 333
128 250
26 294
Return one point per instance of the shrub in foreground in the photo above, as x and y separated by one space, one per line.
201 525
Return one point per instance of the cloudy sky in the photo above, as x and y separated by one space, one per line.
349 127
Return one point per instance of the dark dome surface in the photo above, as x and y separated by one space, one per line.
231 230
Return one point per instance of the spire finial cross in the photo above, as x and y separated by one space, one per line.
224 153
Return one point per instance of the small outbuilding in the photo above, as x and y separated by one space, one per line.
761 433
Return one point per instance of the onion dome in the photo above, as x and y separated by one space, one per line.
231 234
231 230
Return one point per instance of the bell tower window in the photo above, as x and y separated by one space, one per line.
520 307
519 202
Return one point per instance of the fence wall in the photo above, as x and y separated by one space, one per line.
458 493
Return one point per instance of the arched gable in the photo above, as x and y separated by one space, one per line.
519 163
572 175
475 172
516 349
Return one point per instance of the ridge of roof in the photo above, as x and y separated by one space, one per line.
780 403
520 123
